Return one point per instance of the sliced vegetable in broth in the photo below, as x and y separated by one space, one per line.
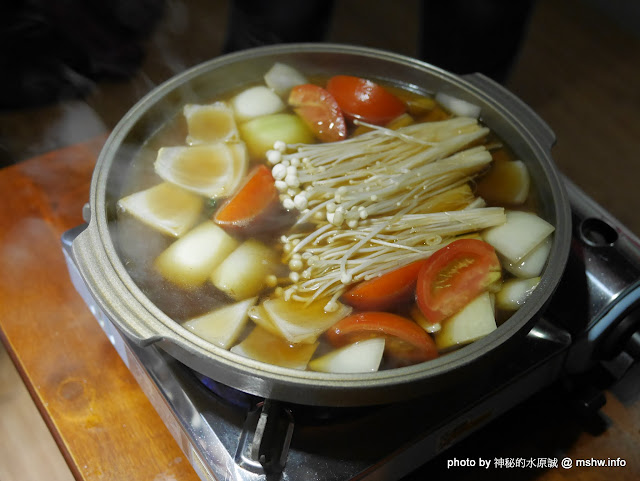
321 234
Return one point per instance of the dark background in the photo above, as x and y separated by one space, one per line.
578 67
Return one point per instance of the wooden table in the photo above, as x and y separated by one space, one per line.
103 423
108 430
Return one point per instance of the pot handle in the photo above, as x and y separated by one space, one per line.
102 296
488 88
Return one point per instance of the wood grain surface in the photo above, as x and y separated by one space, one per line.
104 425
107 429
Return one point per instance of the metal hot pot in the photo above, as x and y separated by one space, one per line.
143 323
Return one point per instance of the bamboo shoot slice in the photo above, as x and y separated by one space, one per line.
165 207
222 326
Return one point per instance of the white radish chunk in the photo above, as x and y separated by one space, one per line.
165 207
532 264
189 261
506 182
299 323
281 78
212 170
209 123
256 102
457 106
515 292
417 315
519 235
222 326
243 273
263 346
363 356
474 321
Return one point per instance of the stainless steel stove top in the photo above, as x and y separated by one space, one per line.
229 435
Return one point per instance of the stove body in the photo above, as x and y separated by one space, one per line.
593 320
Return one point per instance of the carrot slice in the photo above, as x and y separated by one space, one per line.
251 202
384 292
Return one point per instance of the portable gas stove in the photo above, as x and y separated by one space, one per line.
593 321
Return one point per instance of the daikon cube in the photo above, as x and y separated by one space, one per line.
243 273
189 261
473 322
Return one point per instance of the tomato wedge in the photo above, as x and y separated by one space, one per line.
366 100
384 292
250 204
320 112
453 276
405 340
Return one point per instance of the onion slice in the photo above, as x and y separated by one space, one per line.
212 170
266 347
302 324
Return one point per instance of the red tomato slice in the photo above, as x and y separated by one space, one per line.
251 202
405 340
384 292
363 99
320 112
453 276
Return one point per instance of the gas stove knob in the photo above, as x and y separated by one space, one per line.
624 336
597 232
